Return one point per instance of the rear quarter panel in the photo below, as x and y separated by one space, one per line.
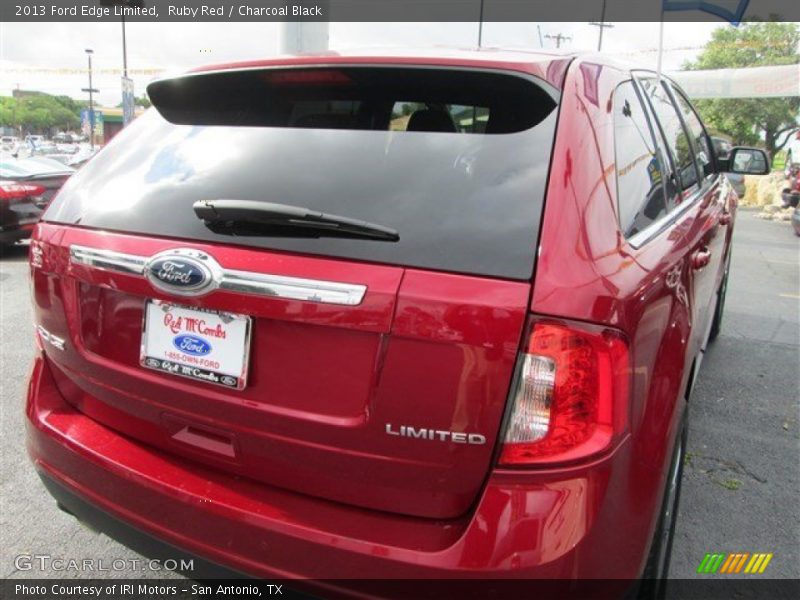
588 272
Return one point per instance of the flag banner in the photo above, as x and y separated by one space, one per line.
127 100
730 10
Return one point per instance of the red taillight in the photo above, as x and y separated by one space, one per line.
10 190
570 397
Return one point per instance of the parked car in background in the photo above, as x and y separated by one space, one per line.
469 356
723 148
67 138
75 159
791 194
35 140
26 188
9 143
796 220
82 154
793 153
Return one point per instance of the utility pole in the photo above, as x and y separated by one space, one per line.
601 25
558 38
91 91
480 26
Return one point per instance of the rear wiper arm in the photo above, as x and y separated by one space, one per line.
249 213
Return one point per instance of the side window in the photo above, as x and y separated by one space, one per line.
675 137
640 168
699 139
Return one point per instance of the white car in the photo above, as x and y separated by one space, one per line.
34 139
9 143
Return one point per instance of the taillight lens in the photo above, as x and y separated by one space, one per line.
11 190
570 400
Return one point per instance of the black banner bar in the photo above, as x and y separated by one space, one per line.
391 10
713 588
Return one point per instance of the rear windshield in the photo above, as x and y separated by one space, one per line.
455 161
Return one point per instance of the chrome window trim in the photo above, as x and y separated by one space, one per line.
655 228
246 282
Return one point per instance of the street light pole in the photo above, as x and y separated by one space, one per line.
128 100
124 51
91 91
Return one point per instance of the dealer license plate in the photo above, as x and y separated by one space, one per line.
208 346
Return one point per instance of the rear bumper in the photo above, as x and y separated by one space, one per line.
567 525
143 543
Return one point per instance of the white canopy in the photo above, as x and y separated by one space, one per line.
754 82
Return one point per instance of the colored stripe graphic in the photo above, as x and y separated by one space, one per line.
734 562
767 558
732 558
741 562
711 563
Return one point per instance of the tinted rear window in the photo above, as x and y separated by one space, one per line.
455 161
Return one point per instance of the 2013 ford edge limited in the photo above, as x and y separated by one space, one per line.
387 316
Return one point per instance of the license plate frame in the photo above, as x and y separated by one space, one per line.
197 323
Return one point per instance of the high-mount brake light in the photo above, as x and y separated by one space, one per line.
570 400
308 77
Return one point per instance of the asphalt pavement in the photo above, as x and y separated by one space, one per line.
742 476
741 482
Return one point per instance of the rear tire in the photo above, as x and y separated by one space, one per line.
716 324
654 577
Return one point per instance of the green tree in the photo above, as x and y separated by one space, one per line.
143 101
40 112
750 120
72 105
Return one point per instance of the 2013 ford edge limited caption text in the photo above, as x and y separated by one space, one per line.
423 315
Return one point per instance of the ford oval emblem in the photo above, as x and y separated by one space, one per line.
183 272
191 344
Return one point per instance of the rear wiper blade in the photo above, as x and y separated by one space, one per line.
248 215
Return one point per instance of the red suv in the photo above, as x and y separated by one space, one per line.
393 316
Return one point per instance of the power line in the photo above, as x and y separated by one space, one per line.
559 38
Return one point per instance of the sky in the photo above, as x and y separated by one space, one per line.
50 57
